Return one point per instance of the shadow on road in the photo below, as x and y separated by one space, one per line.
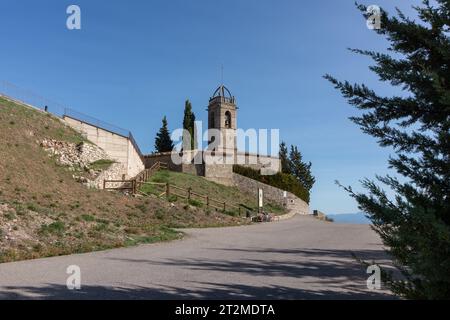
327 274
326 265
215 291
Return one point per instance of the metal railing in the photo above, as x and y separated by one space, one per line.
95 122
23 96
27 97
70 113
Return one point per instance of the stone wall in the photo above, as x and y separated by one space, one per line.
135 164
195 169
266 164
165 157
292 202
187 166
220 173
118 147
114 172
214 169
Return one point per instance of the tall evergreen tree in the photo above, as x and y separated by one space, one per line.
415 224
284 158
189 125
300 170
163 142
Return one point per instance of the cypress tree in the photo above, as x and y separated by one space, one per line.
189 125
415 224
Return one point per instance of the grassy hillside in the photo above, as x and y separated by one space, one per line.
45 212
200 185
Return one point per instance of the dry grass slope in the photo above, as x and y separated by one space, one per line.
200 185
45 212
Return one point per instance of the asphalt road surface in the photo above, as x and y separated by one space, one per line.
300 258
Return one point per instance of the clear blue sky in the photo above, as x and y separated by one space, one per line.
135 61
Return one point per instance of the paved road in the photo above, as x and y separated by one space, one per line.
300 258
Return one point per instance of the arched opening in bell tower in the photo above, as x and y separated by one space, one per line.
228 120
211 120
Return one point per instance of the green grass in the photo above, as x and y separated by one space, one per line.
87 217
172 198
57 228
200 185
32 207
163 233
102 164
10 215
160 214
274 208
142 207
195 203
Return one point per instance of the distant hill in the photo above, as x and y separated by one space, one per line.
356 218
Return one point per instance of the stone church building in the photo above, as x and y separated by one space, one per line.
216 162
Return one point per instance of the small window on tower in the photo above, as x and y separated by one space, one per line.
211 120
228 119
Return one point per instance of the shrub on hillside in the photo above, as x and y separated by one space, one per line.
279 180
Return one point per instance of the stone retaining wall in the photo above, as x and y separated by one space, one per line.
214 166
118 147
292 202
114 172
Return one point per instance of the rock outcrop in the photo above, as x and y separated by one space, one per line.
71 154
80 157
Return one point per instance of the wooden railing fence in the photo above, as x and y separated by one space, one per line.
134 184
169 189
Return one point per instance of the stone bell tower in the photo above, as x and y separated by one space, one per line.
222 113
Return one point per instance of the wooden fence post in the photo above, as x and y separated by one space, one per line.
104 184
189 193
167 189
224 207
207 201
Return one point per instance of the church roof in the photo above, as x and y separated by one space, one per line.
222 91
